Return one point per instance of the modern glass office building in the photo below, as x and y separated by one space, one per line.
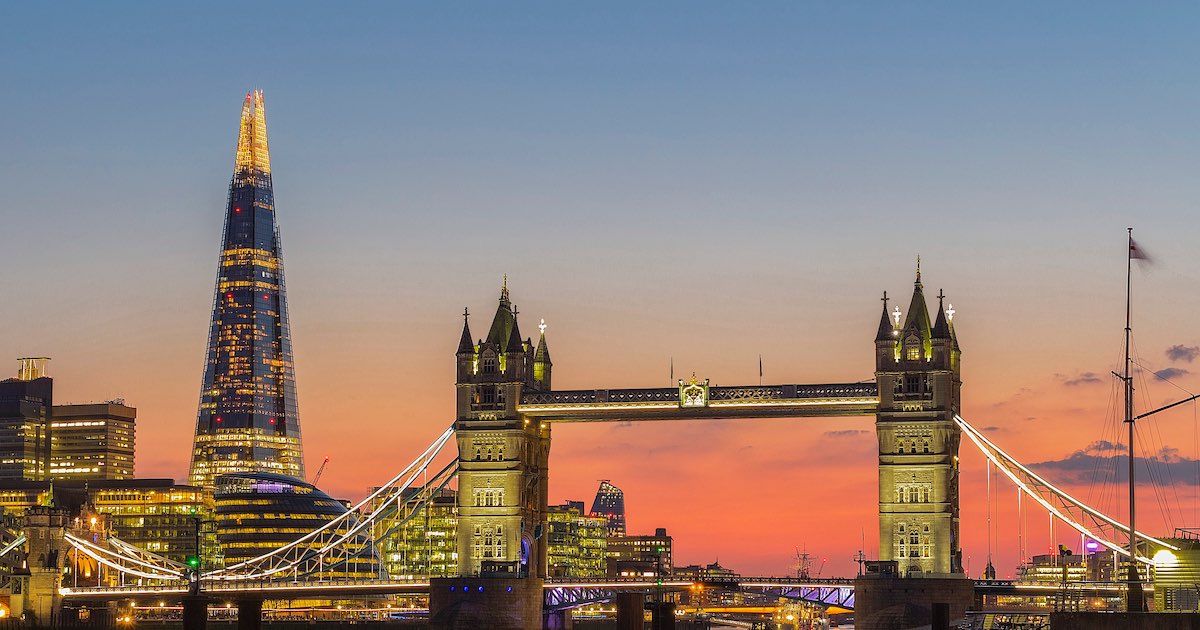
610 504
257 513
248 419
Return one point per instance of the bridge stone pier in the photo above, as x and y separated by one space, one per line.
506 406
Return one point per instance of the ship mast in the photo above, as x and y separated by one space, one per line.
1135 602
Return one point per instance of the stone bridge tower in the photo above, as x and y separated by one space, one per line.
917 369
502 457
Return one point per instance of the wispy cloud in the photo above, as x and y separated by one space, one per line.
1170 373
1102 461
845 433
1180 352
1084 378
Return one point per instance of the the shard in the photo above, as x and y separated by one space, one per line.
248 420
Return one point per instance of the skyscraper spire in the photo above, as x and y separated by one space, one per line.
248 420
253 156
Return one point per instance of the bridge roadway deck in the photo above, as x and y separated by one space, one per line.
318 590
670 403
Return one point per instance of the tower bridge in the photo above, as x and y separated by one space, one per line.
506 409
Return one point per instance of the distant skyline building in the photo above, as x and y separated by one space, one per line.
248 419
25 408
610 505
640 556
92 441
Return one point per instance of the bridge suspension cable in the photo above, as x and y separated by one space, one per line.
121 562
1083 518
331 543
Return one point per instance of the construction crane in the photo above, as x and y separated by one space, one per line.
317 477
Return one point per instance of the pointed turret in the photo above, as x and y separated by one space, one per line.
465 345
502 323
887 331
918 313
253 156
941 329
515 344
542 355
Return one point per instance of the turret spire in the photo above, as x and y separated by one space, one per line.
465 346
941 329
542 354
886 330
253 156
918 312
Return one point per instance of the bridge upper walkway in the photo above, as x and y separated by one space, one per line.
691 401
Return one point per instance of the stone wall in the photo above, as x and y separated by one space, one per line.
495 603
894 603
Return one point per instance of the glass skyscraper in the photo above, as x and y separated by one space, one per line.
610 505
248 421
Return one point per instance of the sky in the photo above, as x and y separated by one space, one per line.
696 183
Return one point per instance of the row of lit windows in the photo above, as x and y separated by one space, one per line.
488 542
914 493
489 497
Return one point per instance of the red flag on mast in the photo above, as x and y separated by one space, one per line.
1137 253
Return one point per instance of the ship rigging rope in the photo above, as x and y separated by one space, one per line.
1007 464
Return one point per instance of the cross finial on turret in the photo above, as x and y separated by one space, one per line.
542 327
941 297
466 313
885 300
504 287
950 313
918 269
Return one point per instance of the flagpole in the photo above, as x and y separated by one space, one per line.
1135 602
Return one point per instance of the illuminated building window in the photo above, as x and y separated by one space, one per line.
489 497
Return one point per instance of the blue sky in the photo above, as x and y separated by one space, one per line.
704 181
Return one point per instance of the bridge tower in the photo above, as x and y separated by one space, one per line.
35 596
502 481
917 368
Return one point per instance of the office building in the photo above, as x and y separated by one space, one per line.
257 513
577 544
248 420
420 540
92 441
157 515
610 504
25 410
632 556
